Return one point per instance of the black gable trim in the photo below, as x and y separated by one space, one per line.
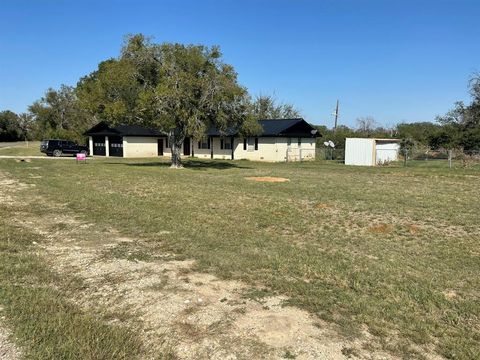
136 130
102 128
275 127
301 128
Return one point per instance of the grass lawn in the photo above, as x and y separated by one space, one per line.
391 250
32 148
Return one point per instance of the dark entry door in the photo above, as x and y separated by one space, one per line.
160 147
99 145
186 147
115 146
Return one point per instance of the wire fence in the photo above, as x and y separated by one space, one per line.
427 154
330 154
456 157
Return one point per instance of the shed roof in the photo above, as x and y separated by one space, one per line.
376 139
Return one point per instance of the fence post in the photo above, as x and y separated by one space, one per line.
449 159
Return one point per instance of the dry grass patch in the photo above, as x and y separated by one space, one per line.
323 206
8 350
270 179
414 229
381 229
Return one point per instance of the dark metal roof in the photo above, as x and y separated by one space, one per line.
270 127
102 128
213 131
136 130
274 127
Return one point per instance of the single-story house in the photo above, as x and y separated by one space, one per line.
280 140
370 151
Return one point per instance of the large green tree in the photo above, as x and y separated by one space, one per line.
59 114
111 92
419 132
195 90
181 90
10 129
461 125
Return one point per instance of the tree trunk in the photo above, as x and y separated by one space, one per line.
176 162
176 139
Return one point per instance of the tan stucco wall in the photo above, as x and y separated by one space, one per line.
218 153
136 146
269 149
200 153
306 150
276 149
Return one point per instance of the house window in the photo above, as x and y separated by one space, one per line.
226 143
204 143
289 141
299 142
250 144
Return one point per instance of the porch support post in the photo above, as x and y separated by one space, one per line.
107 147
90 145
233 147
211 147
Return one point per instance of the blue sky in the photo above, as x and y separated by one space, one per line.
393 60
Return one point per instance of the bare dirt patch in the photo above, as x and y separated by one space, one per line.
6 196
267 179
381 229
323 206
413 229
450 294
8 351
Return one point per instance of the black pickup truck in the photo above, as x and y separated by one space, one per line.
55 147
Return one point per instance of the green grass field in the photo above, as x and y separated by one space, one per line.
392 250
32 148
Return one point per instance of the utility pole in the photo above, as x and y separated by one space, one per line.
336 118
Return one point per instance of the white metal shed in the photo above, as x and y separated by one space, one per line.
371 151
